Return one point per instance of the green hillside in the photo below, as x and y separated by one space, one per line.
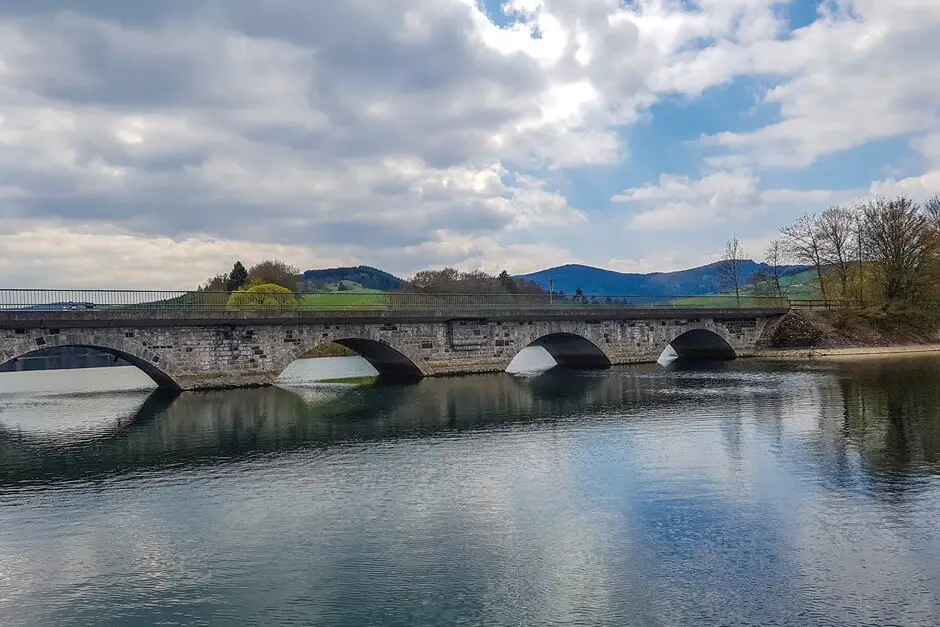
802 285
365 276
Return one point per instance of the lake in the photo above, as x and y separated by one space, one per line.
747 492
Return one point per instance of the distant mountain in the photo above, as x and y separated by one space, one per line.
366 276
692 282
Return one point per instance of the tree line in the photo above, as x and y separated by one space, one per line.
267 272
875 252
453 281
443 281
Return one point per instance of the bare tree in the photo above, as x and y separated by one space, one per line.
731 266
774 258
932 211
441 281
803 243
900 240
858 232
218 283
276 272
453 281
834 227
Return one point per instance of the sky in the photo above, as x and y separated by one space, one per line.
151 144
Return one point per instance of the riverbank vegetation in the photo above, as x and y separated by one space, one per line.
850 327
877 254
876 268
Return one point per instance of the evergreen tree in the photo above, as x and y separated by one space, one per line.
237 278
508 283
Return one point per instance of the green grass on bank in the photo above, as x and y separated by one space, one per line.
337 301
717 301
801 286
354 381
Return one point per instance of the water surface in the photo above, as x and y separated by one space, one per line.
739 493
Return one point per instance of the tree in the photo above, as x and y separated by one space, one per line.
435 281
341 287
802 243
264 296
453 281
900 240
508 283
276 272
932 212
237 278
218 283
731 268
858 213
774 258
835 228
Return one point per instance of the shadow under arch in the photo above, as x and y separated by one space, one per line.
573 351
389 362
137 356
61 358
702 344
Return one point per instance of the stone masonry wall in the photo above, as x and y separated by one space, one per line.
203 357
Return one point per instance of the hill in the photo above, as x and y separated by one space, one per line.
365 276
804 284
694 281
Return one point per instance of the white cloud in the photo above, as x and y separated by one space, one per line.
809 196
680 202
48 255
919 188
480 253
929 147
273 124
866 71
678 259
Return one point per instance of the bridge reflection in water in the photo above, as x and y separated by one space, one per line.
170 430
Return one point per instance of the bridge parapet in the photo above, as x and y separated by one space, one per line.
360 302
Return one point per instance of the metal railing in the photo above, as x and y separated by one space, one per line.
819 303
153 301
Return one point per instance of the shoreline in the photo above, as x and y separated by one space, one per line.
854 351
808 352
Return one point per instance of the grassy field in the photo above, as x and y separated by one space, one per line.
803 285
713 301
338 301
330 349
800 286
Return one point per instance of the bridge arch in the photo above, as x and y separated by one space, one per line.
389 361
128 349
573 351
703 343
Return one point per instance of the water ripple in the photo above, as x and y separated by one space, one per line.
742 493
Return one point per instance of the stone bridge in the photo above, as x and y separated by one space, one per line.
191 350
